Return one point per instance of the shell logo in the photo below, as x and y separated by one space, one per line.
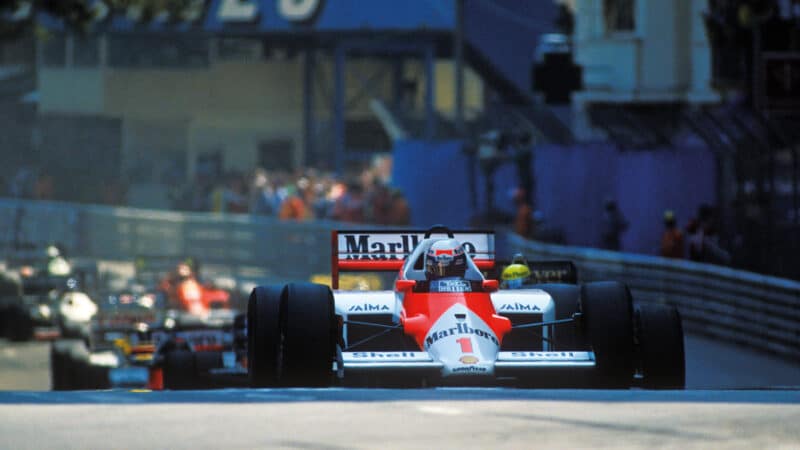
468 359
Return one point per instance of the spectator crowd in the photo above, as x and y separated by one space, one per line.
308 194
363 196
701 241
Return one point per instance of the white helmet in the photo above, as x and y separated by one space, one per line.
445 258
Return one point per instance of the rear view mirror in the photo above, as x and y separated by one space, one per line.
490 285
404 285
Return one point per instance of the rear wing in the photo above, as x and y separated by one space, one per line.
386 250
543 272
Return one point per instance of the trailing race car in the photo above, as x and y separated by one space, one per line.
180 334
445 324
32 298
132 341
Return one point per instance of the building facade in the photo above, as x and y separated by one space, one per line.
640 52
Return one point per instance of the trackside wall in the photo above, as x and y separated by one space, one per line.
571 186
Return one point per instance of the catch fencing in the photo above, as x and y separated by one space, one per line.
733 306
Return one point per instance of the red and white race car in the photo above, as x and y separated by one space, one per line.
439 327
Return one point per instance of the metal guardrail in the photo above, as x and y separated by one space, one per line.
739 307
288 249
735 306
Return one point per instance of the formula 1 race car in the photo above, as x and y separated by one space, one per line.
180 334
446 324
133 342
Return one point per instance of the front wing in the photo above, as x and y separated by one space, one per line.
422 361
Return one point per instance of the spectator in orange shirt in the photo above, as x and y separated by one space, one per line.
293 207
524 224
672 243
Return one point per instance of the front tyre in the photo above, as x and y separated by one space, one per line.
179 370
263 335
608 325
308 335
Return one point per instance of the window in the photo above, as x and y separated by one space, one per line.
619 15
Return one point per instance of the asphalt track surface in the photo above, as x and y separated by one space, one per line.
744 416
378 418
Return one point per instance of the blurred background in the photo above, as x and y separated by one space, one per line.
418 112
239 132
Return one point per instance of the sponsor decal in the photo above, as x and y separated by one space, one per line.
470 369
385 355
460 329
551 274
547 355
298 10
468 359
519 307
248 10
389 247
450 286
368 307
361 244
238 10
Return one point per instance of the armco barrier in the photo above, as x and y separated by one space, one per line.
290 249
734 306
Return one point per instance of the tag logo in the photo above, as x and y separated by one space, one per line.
468 359
519 307
366 307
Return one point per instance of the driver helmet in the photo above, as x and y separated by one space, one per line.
183 271
516 274
52 251
445 258
519 258
58 266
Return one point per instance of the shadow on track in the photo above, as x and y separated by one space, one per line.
398 395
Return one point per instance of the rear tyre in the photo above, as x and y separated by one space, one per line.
308 330
69 359
79 372
20 324
608 324
179 370
263 335
97 377
59 365
660 337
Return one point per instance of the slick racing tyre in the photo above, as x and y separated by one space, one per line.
69 360
263 335
660 337
79 365
308 331
608 323
59 365
179 370
20 324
